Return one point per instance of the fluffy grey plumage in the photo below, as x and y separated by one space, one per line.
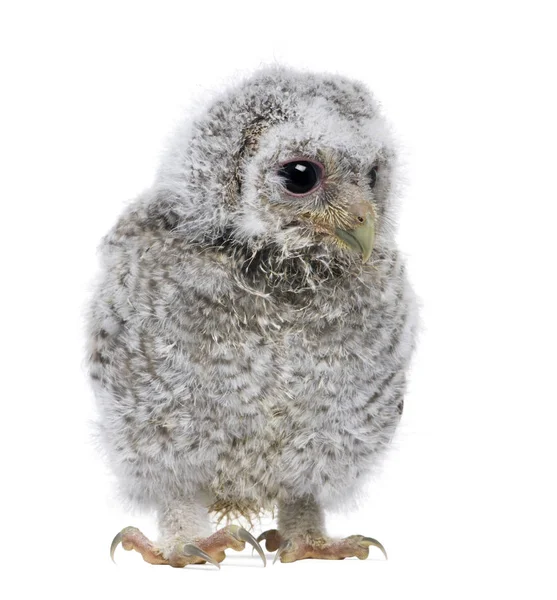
241 354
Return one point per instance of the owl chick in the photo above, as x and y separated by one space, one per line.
252 327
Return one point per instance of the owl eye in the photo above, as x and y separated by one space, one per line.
372 177
301 177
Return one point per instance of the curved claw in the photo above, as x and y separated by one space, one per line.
245 535
193 550
281 549
115 542
367 542
262 536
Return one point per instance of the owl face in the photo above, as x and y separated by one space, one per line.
327 190
287 162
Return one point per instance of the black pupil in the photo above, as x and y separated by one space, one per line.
373 177
300 176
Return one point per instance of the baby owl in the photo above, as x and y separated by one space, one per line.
252 326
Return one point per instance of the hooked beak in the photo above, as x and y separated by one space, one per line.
362 237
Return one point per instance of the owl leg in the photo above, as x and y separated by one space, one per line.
185 538
301 534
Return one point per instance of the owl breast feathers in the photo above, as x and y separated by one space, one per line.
252 326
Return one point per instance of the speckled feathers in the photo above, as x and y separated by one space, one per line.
237 354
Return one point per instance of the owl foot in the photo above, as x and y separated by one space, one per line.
210 549
300 547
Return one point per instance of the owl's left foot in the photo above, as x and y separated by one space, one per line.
300 547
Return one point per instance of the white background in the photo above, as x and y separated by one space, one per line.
466 502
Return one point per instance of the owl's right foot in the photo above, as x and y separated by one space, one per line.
210 549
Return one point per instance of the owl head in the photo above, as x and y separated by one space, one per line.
287 165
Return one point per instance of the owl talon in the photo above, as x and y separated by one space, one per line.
195 551
243 535
115 543
282 549
132 539
366 542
